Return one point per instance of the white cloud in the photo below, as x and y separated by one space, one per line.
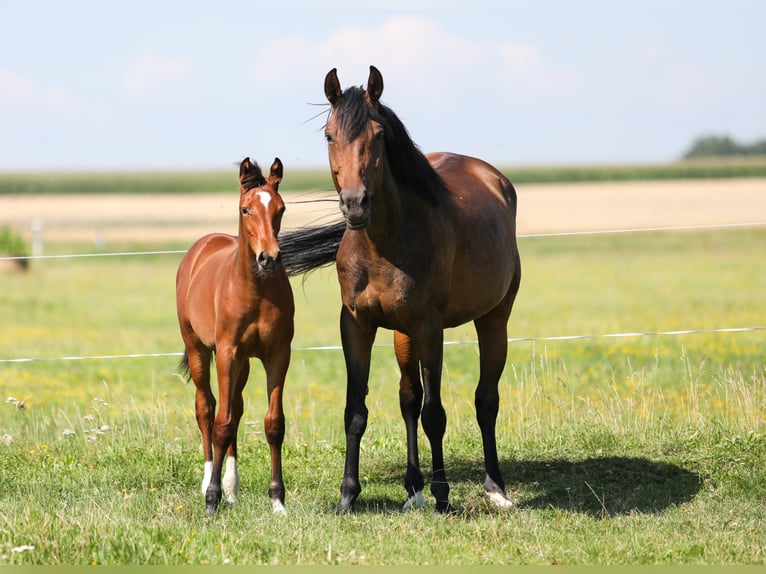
150 73
14 87
432 69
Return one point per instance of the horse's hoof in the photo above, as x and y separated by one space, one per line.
500 500
415 501
444 507
345 507
212 501
278 507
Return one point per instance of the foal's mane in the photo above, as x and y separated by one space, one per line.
254 178
409 166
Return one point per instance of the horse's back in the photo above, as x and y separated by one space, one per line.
484 220
197 279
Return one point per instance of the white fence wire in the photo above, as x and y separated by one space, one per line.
446 343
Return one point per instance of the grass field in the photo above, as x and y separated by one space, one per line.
640 450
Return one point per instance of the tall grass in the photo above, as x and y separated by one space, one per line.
645 450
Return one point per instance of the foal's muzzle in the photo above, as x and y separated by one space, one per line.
266 262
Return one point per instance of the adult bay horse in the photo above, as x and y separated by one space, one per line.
428 242
235 302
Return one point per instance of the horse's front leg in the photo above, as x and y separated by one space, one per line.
428 340
410 403
357 351
274 423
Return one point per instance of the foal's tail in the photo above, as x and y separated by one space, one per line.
307 249
184 366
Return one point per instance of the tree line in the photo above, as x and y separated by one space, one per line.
718 146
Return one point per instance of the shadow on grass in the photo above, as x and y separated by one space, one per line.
602 487
599 487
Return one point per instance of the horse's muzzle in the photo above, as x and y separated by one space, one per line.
355 207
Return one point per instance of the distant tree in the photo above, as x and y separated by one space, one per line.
718 146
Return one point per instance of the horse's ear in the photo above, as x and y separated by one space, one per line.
245 168
275 174
374 86
332 86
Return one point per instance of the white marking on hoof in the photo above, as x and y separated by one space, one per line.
415 501
278 507
264 197
500 500
230 482
207 474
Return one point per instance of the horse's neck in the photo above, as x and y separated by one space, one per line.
243 262
390 208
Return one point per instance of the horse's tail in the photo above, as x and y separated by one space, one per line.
184 366
307 249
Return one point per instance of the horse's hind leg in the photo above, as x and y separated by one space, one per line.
274 424
492 331
230 481
410 403
225 424
204 404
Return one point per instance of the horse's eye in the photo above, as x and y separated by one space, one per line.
329 138
244 211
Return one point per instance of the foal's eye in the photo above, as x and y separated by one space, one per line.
244 211
329 138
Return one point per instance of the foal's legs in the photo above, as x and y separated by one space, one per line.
357 350
230 481
225 424
274 423
410 403
492 331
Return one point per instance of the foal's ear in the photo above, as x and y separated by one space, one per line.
275 173
245 168
374 86
332 86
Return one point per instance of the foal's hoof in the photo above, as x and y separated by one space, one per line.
211 503
278 507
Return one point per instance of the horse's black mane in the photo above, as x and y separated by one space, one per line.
409 166
254 178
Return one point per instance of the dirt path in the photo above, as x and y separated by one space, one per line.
542 209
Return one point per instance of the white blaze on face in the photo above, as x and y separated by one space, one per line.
265 198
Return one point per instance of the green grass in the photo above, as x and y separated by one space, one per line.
302 179
616 451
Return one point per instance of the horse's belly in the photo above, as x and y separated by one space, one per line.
476 290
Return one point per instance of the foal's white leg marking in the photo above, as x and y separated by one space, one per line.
264 197
500 500
278 507
207 474
230 480
415 501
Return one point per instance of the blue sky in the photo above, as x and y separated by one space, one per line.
166 84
